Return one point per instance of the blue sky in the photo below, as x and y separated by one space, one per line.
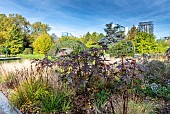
81 16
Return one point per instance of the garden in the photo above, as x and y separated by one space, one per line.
103 74
87 83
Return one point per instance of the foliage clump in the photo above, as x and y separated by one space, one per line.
15 40
124 47
43 43
38 91
156 72
113 35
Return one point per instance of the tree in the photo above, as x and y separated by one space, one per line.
54 37
5 27
86 38
113 34
43 43
76 45
132 33
20 22
168 42
39 28
124 47
65 38
162 45
29 31
91 40
15 41
145 43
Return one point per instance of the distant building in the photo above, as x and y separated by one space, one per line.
146 27
126 30
66 34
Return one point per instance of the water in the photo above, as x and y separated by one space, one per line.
11 61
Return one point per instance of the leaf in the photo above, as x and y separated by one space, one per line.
98 95
103 92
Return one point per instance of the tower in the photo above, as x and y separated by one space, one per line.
146 27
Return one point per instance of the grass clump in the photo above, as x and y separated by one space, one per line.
29 94
57 101
33 96
37 90
140 107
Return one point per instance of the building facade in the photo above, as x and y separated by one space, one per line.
146 27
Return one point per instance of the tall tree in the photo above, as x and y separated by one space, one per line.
132 33
86 38
39 28
65 38
162 45
113 34
168 41
15 41
54 37
145 43
43 43
5 26
20 22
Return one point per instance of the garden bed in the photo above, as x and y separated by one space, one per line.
88 83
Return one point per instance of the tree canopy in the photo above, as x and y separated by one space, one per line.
43 43
26 33
145 43
113 34
15 40
132 33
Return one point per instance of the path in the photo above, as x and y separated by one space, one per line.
5 107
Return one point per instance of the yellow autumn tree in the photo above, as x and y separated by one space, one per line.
43 43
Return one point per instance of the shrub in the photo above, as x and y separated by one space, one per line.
88 73
43 43
76 45
28 51
156 72
123 47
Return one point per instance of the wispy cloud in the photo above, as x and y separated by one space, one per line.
81 16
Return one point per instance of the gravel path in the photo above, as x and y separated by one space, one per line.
5 107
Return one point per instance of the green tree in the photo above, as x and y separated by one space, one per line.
65 38
15 41
145 43
20 22
168 42
76 45
85 38
124 47
91 40
43 43
29 31
5 27
113 34
23 25
39 28
132 33
162 45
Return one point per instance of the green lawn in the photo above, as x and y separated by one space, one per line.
31 56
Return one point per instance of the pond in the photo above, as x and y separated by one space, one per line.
11 61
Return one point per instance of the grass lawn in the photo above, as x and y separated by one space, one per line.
31 56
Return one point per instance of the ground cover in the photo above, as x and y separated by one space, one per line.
88 83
